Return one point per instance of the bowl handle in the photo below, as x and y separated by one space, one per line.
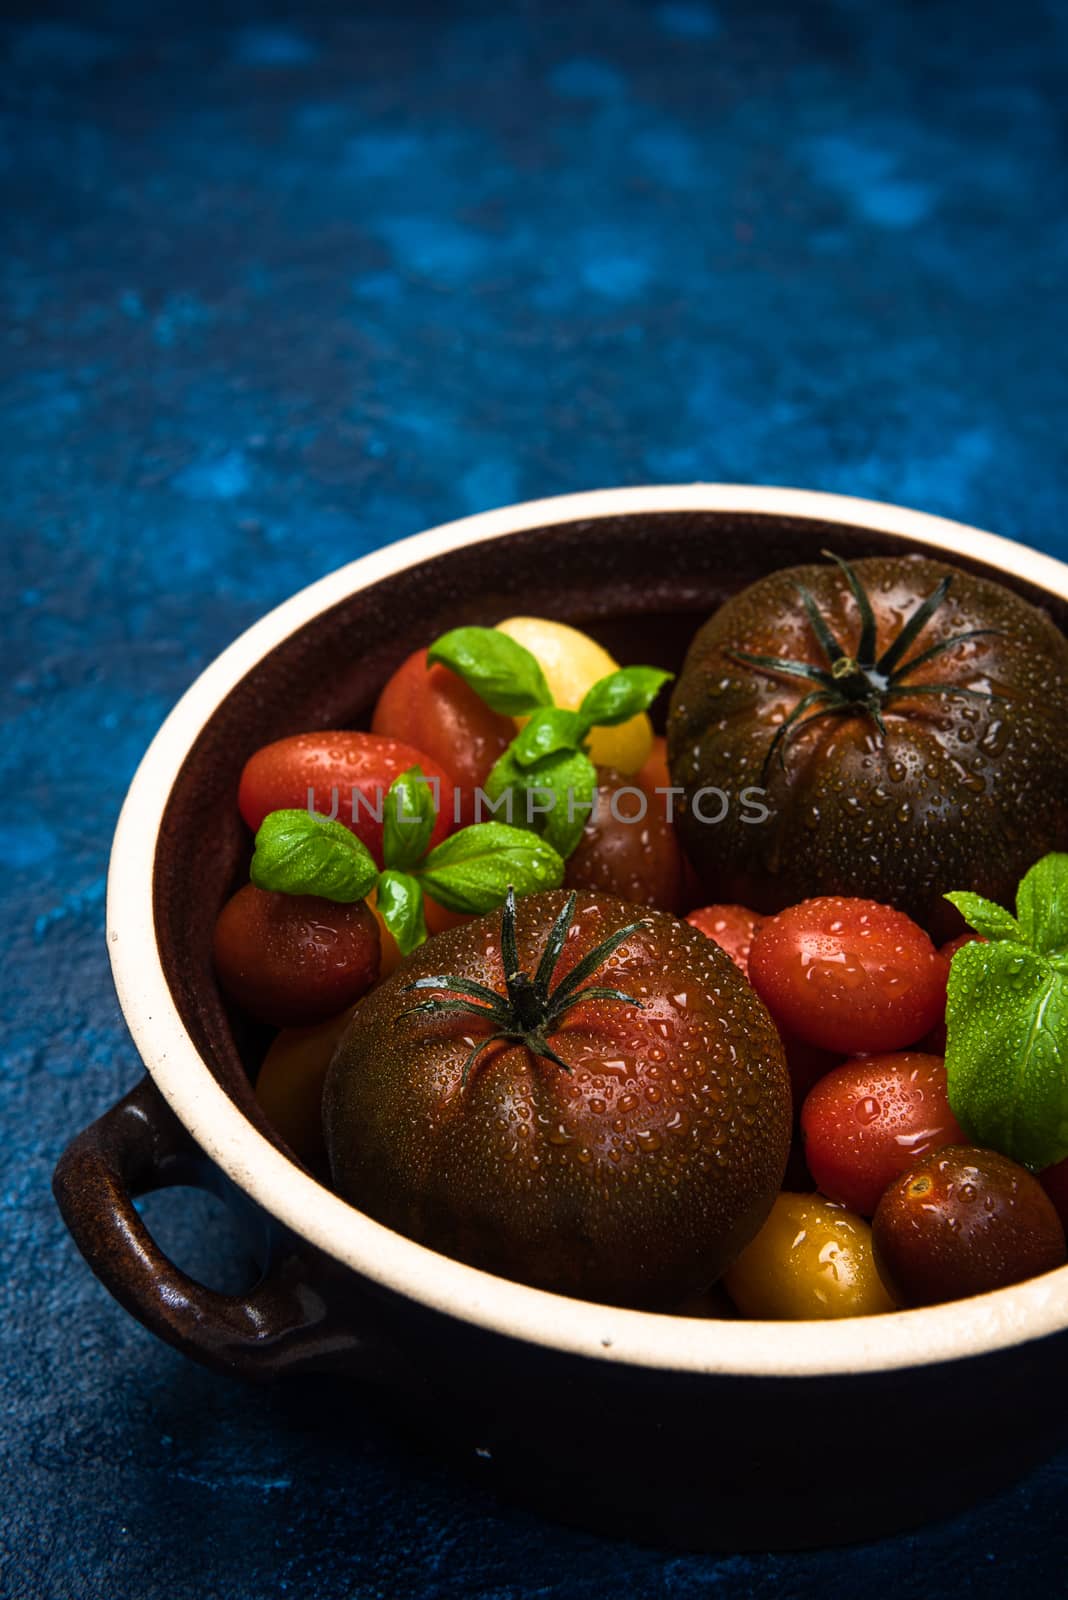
281 1324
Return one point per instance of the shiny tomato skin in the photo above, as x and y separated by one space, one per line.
624 853
292 960
433 709
961 1222
960 792
732 927
279 776
868 1121
632 1174
848 975
811 1260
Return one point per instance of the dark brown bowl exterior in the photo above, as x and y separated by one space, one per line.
698 1460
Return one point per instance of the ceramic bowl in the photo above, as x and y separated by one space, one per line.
703 1431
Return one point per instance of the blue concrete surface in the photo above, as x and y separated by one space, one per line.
281 283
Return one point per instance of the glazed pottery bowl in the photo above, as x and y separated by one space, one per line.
705 1431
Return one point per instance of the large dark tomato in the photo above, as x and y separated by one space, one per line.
435 710
628 848
601 1149
954 789
312 769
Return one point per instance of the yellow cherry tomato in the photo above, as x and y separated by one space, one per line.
290 1083
572 663
811 1259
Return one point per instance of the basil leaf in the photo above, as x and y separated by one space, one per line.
471 871
621 695
299 852
991 920
1042 905
400 901
409 819
547 732
1007 1043
553 798
502 672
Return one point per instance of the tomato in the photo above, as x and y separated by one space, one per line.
572 663
1055 1182
602 1150
961 790
848 975
627 849
437 712
281 776
294 959
961 1222
289 1085
437 920
868 1121
732 927
811 1260
653 774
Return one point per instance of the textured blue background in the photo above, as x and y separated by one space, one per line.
280 284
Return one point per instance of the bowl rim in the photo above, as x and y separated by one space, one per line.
963 1328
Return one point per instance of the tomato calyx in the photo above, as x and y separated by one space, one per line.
861 680
532 1008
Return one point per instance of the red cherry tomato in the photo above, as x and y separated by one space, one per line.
294 959
732 927
435 710
868 1121
279 777
848 975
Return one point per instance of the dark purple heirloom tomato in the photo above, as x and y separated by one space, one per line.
575 1094
907 721
963 1221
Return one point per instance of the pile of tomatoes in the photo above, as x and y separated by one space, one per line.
887 1203
907 1211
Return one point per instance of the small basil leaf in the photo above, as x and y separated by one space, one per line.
471 870
502 672
991 920
547 732
1042 905
553 798
621 695
409 819
1007 1033
299 852
572 778
400 901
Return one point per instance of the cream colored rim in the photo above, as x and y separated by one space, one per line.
901 1339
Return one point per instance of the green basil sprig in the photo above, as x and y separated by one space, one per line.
300 852
501 671
545 776
1007 1020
